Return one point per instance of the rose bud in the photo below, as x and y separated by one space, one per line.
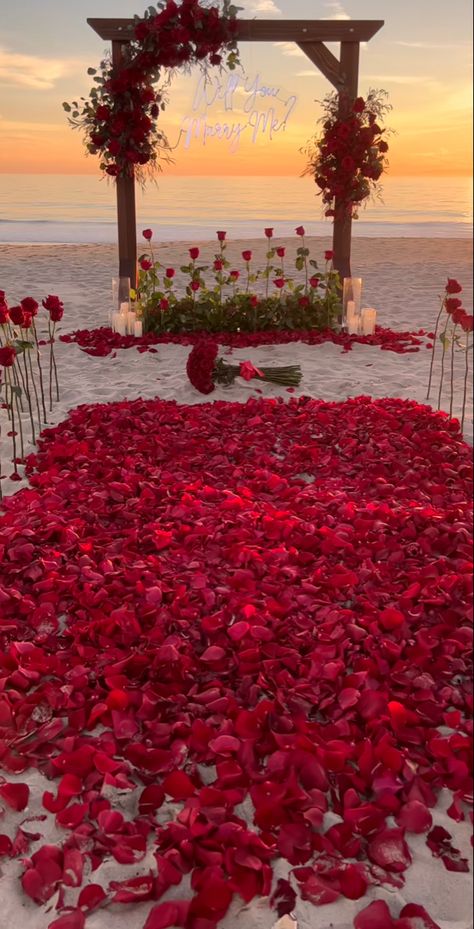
194 252
235 275
281 251
221 235
147 234
269 233
164 304
7 356
218 265
170 272
195 285
314 281
279 282
146 264
453 286
247 255
329 254
300 230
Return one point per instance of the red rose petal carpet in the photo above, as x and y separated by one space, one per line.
103 341
265 603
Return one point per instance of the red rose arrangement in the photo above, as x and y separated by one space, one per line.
457 321
21 379
205 370
349 156
119 118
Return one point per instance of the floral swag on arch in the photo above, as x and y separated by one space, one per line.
119 118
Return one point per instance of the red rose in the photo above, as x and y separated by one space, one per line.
247 255
453 286
52 303
194 252
280 251
147 234
113 170
457 317
235 275
383 147
467 322
452 303
170 272
7 356
329 255
221 235
146 264
218 265
195 285
17 315
300 230
164 304
102 112
359 105
253 301
27 320
29 305
279 282
56 314
303 301
4 317
114 147
314 281
269 233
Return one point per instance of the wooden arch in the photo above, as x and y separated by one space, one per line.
310 36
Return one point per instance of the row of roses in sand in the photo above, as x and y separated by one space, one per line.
208 628
350 155
453 334
227 301
22 383
119 118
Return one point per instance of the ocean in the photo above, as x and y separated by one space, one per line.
46 208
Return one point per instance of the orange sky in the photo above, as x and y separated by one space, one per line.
428 78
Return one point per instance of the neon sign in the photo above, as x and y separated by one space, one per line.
247 108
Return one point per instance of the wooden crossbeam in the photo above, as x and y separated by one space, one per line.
267 30
324 59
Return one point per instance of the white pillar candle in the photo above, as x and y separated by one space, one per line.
115 318
350 309
353 325
368 319
352 292
124 306
138 329
131 323
121 324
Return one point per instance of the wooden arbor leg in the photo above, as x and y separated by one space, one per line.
342 231
126 216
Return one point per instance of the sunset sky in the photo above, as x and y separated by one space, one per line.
422 57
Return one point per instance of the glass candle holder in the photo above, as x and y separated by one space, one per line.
120 294
351 297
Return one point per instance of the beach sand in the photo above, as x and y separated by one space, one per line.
403 279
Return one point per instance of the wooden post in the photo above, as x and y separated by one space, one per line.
342 231
126 216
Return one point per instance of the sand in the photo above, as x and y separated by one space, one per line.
403 280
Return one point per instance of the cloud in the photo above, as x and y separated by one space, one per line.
335 10
431 45
291 49
400 79
262 8
30 70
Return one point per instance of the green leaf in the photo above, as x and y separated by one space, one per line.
21 345
313 263
67 107
92 71
15 389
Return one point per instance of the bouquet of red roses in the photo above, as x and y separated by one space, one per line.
205 370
